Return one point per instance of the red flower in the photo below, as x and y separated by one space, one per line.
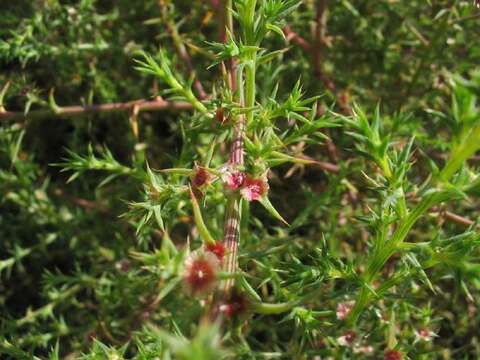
392 355
253 189
218 249
201 272
234 179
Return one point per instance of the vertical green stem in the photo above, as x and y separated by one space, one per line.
250 86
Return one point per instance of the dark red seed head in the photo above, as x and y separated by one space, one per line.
350 336
201 272
392 355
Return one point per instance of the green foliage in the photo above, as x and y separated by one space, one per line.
359 225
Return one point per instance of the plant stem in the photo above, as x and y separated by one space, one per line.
246 97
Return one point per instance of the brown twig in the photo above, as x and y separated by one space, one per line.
317 56
461 220
293 37
158 104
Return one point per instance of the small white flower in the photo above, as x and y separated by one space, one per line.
424 335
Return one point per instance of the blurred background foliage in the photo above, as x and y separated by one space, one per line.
73 271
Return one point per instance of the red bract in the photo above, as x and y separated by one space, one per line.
219 114
392 355
200 178
201 272
235 179
218 249
253 189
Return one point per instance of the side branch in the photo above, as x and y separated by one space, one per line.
158 104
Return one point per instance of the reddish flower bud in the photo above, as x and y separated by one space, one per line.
200 178
392 355
201 272
220 115
347 339
123 265
218 249
253 189
235 305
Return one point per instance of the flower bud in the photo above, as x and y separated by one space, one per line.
220 115
200 178
347 339
234 305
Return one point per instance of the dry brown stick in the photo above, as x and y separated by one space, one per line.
158 104
450 216
461 220
292 36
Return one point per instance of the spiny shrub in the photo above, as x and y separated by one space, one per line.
228 233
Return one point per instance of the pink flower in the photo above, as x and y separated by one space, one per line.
347 339
218 249
424 334
234 179
363 349
201 269
344 309
253 189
